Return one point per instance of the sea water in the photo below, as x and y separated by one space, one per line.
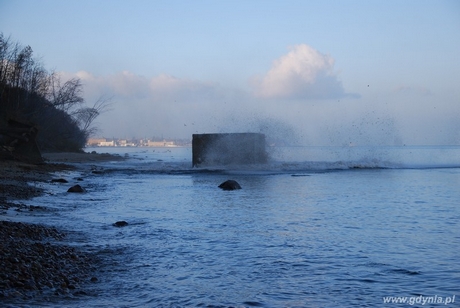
314 227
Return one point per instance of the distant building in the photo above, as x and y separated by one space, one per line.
107 144
114 142
95 141
160 143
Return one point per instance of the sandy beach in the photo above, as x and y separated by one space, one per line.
36 260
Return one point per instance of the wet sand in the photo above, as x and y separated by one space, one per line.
36 260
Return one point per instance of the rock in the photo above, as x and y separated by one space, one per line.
76 189
120 223
230 185
59 181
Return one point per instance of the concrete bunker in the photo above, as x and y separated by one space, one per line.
228 149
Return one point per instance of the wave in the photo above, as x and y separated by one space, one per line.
271 168
292 160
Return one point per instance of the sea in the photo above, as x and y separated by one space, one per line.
313 227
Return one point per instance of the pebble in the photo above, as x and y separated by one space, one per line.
32 266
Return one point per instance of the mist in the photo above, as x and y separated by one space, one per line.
300 100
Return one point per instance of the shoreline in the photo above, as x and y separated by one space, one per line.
69 157
38 262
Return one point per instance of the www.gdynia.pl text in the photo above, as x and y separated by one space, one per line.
419 300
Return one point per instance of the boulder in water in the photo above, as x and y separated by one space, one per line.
120 224
76 189
60 180
230 185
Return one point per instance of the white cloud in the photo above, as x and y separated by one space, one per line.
161 105
303 73
160 88
128 84
166 87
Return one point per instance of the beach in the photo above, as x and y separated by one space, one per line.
36 260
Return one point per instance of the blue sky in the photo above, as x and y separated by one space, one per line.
317 72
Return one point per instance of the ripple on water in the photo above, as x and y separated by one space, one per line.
337 239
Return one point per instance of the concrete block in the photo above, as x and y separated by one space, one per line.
228 149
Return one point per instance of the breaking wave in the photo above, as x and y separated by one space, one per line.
294 160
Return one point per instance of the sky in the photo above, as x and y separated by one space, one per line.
302 72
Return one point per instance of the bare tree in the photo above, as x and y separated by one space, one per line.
85 116
31 93
66 97
5 61
21 71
